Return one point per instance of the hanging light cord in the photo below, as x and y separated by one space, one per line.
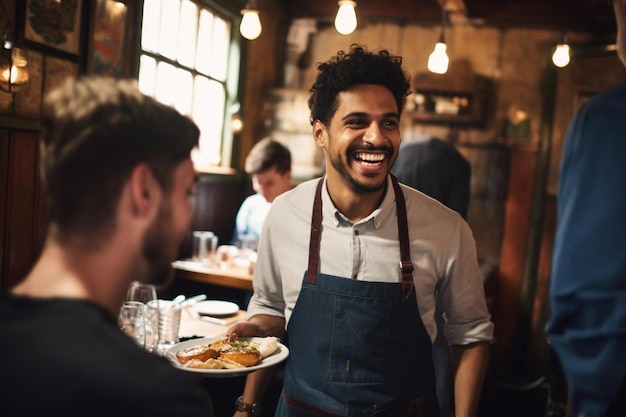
6 34
443 22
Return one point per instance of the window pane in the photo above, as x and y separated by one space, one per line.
150 25
187 33
166 83
147 75
208 113
219 48
168 40
184 64
205 33
183 91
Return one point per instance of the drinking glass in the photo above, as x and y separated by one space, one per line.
132 322
145 293
169 323
204 247
141 292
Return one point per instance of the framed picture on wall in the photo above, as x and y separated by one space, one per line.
53 27
107 52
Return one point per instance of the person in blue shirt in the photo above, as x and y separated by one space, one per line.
269 165
588 286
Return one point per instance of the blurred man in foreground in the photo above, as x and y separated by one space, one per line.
118 176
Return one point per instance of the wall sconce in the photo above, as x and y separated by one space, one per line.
13 61
250 27
236 121
561 55
438 60
345 21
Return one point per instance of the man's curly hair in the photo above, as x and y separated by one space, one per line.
357 66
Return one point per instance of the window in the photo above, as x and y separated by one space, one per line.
187 61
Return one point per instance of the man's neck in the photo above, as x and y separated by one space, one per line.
354 205
62 273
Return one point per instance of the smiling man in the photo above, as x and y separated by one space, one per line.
352 266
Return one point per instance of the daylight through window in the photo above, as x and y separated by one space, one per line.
185 51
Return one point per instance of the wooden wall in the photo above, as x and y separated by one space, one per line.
22 229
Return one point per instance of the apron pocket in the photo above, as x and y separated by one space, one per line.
360 340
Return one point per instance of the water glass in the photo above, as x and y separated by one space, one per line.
204 247
168 323
132 322
144 293
151 313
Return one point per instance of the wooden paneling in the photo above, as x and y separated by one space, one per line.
507 288
4 186
216 205
23 212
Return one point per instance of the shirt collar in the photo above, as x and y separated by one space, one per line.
376 217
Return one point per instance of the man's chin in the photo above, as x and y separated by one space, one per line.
369 183
162 276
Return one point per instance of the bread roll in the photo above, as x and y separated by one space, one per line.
201 353
245 356
208 364
268 346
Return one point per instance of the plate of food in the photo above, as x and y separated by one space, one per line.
216 308
227 356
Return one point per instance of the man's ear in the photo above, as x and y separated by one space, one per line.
320 133
144 190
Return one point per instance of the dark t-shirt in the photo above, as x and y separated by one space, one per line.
62 357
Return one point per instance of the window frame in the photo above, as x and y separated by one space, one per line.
230 11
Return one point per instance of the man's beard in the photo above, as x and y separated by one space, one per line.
155 250
359 187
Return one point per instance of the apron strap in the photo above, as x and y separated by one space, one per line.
316 235
406 265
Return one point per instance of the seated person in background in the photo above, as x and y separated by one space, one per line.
118 174
269 164
436 168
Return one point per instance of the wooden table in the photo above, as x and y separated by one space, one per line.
234 276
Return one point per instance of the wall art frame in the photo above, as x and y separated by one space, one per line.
52 27
108 38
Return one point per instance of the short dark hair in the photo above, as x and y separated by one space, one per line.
357 66
268 153
94 132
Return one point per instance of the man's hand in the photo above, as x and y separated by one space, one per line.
246 329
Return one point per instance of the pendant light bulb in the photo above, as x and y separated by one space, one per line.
250 27
345 21
438 60
561 56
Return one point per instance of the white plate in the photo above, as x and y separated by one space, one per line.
275 358
216 308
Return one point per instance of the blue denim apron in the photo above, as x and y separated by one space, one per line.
358 348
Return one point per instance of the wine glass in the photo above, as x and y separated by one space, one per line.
141 292
145 293
132 322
